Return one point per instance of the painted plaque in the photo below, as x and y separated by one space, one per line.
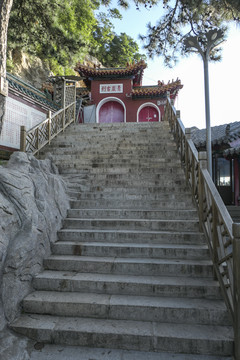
111 88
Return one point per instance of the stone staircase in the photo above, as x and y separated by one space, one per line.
131 269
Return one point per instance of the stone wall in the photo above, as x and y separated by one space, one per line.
33 202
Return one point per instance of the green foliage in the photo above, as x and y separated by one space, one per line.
62 32
113 50
52 29
120 50
183 18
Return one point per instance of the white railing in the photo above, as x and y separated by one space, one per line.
222 234
40 135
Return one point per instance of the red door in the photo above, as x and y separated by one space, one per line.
148 113
110 112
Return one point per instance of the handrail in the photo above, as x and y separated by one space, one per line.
42 134
223 236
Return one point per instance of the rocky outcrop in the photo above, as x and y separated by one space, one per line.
33 202
29 68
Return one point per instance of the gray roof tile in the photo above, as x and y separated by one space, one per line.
221 134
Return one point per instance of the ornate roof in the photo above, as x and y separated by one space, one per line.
232 152
20 87
157 91
221 134
131 70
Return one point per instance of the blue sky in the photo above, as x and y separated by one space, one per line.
224 76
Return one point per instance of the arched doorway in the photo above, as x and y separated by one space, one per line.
148 113
111 112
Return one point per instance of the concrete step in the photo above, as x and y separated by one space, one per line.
86 182
120 135
145 151
58 352
131 126
117 132
123 196
131 224
126 167
128 158
125 307
98 182
131 250
66 146
133 266
123 204
172 286
133 236
127 334
133 214
76 191
75 168
140 177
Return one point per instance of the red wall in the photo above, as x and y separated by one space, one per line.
132 106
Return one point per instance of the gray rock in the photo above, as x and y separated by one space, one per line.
33 202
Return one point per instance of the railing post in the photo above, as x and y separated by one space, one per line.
37 139
168 109
49 126
180 136
75 95
236 287
202 158
23 136
186 157
214 236
64 103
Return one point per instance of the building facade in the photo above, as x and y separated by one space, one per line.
25 105
117 94
225 158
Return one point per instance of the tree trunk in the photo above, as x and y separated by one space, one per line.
5 8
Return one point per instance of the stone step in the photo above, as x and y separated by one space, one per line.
118 129
131 224
136 177
58 352
133 236
87 181
172 286
106 139
132 126
76 190
127 166
156 135
133 266
62 146
130 250
131 203
133 214
74 168
119 137
125 307
127 334
120 151
127 194
128 158
139 177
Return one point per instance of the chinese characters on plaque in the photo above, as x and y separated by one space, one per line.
111 88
